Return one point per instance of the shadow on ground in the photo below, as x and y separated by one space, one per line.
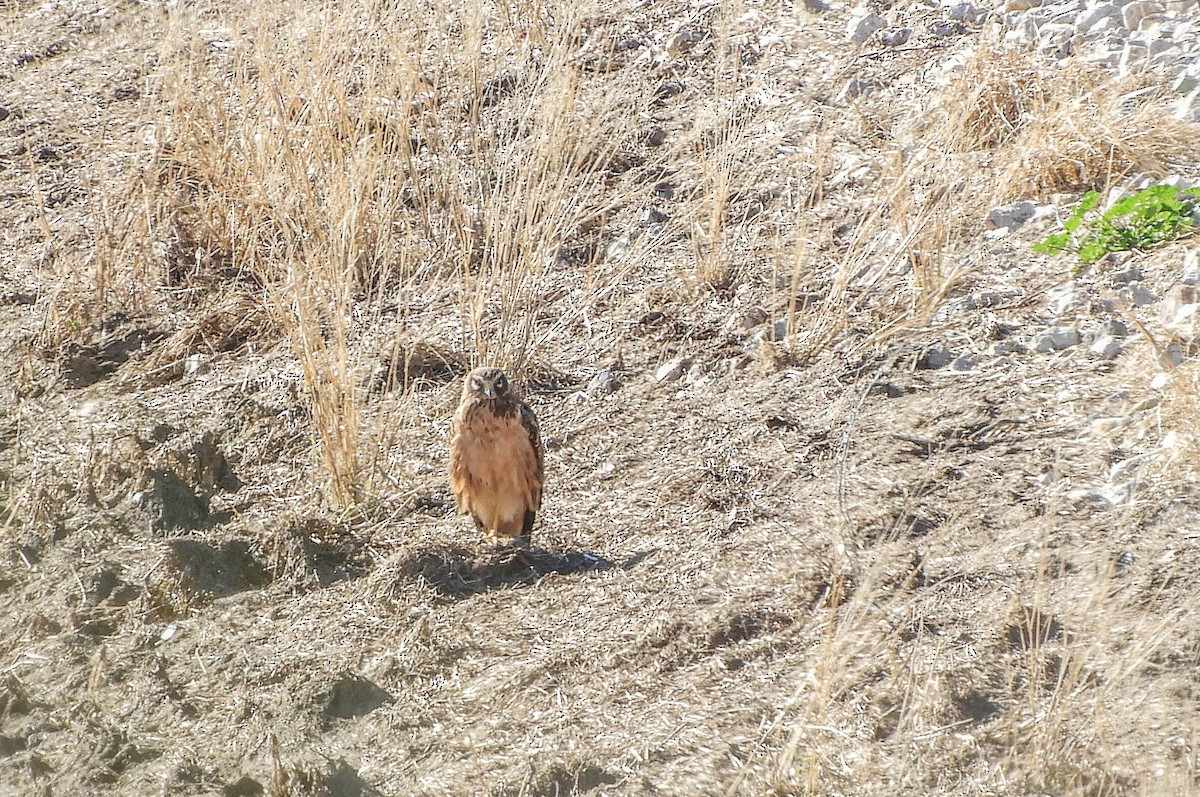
461 572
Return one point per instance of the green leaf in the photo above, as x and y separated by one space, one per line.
1053 244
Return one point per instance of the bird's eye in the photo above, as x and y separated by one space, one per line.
476 384
501 384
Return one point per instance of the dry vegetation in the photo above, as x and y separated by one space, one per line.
811 566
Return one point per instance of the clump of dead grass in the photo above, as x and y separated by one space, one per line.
1048 129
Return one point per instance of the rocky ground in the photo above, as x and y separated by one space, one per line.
849 490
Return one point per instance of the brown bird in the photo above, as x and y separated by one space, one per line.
496 457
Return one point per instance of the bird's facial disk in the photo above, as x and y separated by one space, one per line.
490 385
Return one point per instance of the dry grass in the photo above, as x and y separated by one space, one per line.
330 173
1062 129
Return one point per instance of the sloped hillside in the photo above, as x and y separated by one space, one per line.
850 491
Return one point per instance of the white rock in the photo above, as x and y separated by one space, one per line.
1105 28
1188 108
1160 381
1105 58
1121 493
1134 13
864 25
696 375
1186 323
673 369
1174 303
1066 297
1056 40
1106 347
1095 15
196 364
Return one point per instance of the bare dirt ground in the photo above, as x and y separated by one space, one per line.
829 560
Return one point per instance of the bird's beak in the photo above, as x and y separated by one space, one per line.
489 390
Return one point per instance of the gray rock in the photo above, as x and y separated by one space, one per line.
604 383
1011 6
1112 327
671 370
1007 346
895 37
944 28
1130 273
1185 82
1056 339
1136 295
863 26
1106 347
967 12
747 319
855 88
965 362
1013 215
936 357
779 329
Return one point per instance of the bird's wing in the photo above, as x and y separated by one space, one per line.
530 422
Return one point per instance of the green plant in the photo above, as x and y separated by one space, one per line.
1149 218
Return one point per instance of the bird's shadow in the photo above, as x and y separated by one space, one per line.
459 572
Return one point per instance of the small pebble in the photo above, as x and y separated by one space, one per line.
671 371
604 383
